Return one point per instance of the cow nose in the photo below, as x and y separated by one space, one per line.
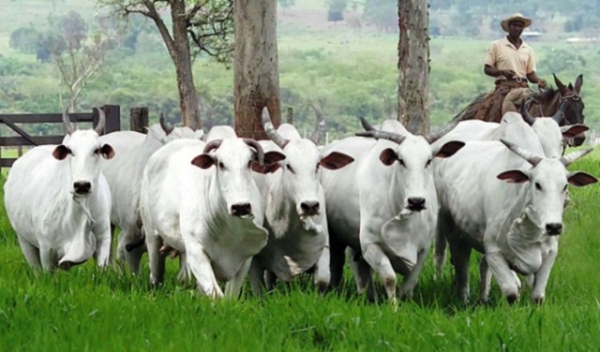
416 203
310 208
241 209
554 228
82 187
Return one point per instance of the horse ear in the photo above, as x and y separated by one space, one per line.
578 84
561 87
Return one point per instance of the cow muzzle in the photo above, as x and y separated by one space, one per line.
415 204
309 208
82 187
241 210
554 229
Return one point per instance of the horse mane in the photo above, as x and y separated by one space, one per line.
548 94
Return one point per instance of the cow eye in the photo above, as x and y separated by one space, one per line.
250 164
538 186
401 162
290 168
221 166
565 189
428 162
97 151
317 167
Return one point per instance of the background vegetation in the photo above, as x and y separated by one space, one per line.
349 66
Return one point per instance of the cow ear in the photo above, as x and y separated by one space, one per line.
203 161
336 161
448 149
107 151
513 176
581 179
265 169
273 157
388 156
573 130
61 152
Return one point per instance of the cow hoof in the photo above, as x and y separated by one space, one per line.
512 298
538 300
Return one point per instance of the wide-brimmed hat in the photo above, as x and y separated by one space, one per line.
515 17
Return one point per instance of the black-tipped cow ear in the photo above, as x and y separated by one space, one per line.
273 157
448 149
388 156
61 152
107 151
203 161
513 176
336 161
580 179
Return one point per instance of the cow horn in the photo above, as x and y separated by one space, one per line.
569 159
320 129
212 145
366 125
165 125
259 150
525 112
523 153
271 131
560 113
101 121
434 136
384 135
67 123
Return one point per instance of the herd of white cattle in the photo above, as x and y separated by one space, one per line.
271 210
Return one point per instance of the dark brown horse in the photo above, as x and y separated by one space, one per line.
544 103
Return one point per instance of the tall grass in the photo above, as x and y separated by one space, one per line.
88 309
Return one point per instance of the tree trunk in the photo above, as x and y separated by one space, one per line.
256 82
413 65
188 100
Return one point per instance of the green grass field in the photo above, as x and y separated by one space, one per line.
90 310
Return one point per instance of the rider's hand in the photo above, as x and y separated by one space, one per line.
509 74
542 83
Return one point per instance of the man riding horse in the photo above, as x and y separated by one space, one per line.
512 62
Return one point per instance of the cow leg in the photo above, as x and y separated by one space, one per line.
541 278
377 259
362 274
507 279
31 253
111 258
439 255
101 230
199 264
48 259
157 260
233 287
257 281
410 280
460 253
486 279
323 271
270 280
183 275
336 264
132 257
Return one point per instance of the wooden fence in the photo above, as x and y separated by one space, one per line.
113 123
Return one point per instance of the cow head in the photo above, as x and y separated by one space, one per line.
233 160
83 150
547 186
164 132
300 178
412 158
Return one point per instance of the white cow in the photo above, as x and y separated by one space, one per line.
294 206
58 201
200 198
521 129
384 205
491 201
124 175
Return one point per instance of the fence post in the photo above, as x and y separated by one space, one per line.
290 115
138 119
113 118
